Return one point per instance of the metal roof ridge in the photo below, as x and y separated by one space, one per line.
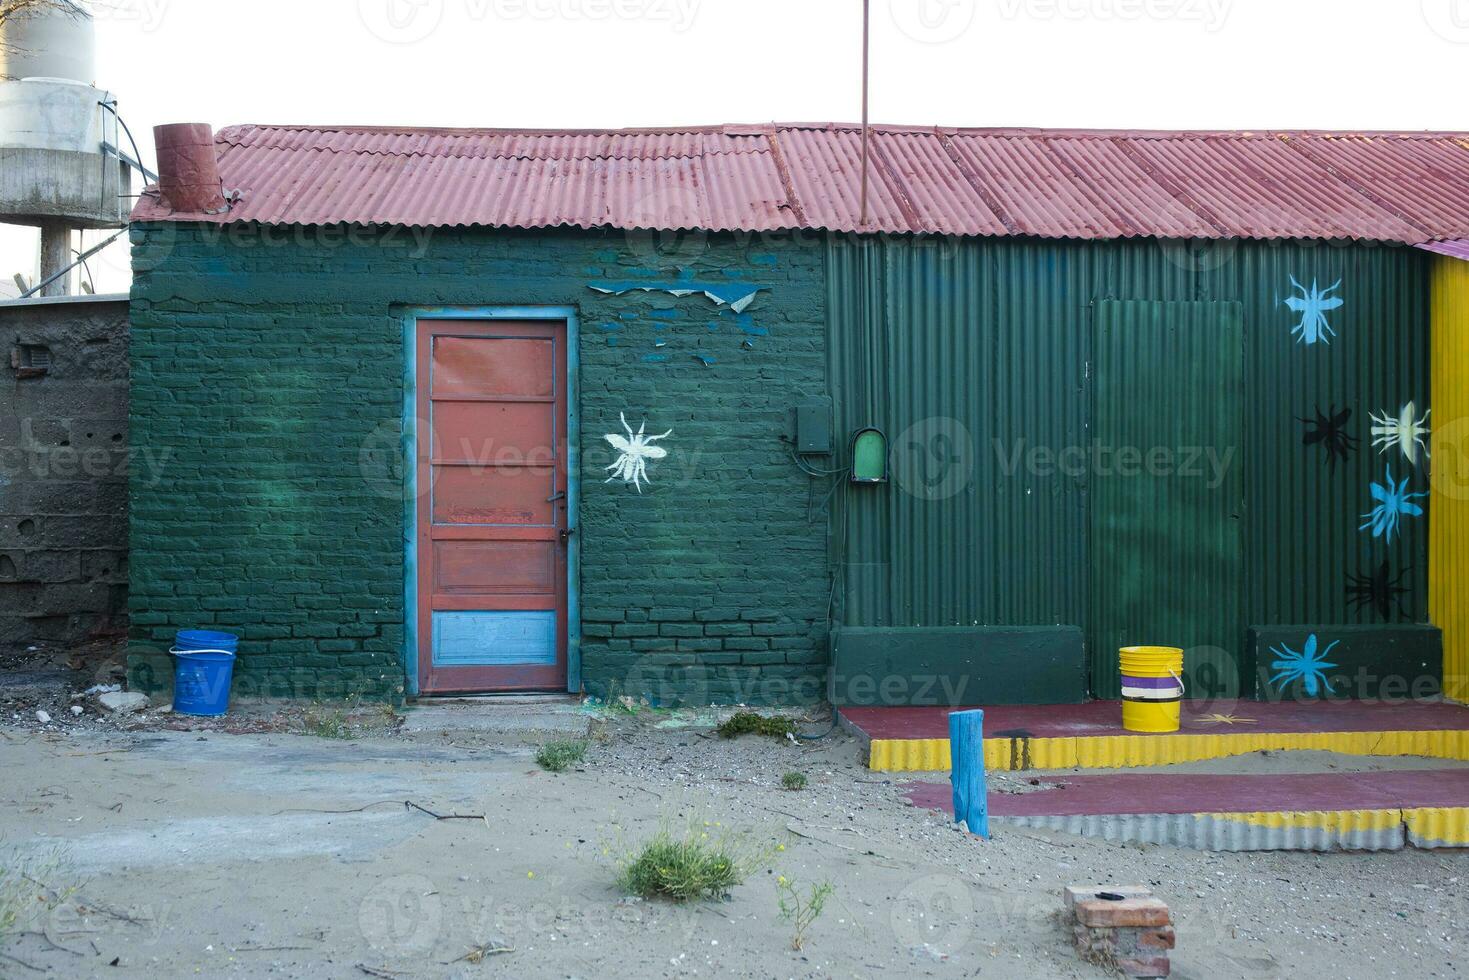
757 129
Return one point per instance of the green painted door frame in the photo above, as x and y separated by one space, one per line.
1168 489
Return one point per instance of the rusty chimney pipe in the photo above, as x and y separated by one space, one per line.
188 173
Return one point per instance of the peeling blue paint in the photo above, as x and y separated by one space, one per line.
666 314
653 358
706 359
746 322
735 295
661 342
610 326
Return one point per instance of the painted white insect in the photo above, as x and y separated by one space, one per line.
631 464
1406 432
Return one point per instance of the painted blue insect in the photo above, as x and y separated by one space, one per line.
1394 500
1307 666
1313 304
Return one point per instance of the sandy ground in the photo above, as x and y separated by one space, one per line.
212 853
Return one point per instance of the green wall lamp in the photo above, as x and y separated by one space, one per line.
869 456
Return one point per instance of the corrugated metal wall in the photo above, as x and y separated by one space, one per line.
1167 404
1449 547
972 353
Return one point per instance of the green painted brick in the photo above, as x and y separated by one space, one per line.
273 375
727 629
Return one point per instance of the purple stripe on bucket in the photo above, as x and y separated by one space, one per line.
1155 683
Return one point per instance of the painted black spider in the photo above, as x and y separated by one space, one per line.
1378 589
1330 432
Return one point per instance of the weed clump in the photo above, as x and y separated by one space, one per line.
557 756
753 723
793 781
688 866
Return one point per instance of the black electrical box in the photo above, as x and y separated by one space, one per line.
813 428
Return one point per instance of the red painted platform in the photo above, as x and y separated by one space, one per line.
1102 718
1177 793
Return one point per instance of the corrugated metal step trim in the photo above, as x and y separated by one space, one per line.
1279 830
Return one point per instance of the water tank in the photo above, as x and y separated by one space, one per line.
55 40
53 168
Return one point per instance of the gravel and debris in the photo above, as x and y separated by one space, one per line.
270 854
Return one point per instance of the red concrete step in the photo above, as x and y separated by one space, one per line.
1162 792
1382 810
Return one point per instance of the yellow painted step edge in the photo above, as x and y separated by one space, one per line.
1129 751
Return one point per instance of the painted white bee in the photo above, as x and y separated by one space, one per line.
1406 432
631 464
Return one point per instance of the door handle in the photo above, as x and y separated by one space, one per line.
558 495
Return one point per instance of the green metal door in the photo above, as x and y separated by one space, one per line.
1167 489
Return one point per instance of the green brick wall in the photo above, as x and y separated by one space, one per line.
267 384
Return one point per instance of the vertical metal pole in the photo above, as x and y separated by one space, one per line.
55 256
966 770
862 222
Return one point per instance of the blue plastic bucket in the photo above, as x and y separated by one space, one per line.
204 663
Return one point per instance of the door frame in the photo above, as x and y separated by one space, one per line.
410 317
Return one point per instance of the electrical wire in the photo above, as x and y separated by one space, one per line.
85 268
137 154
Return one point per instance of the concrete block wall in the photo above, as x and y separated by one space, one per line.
63 470
268 369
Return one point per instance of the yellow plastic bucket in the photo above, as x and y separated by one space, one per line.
1152 688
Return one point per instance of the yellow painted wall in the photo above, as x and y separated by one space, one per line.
1448 548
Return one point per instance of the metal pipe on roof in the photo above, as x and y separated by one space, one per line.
188 173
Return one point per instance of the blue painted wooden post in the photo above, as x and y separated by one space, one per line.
966 770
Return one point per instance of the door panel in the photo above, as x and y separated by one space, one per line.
495 566
518 367
492 506
472 494
1166 516
526 432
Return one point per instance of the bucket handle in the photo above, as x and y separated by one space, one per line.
1177 678
176 651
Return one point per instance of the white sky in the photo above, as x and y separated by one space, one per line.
1325 64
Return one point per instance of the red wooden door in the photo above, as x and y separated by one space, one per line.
492 523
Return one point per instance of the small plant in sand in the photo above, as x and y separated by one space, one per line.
24 893
801 910
324 722
754 723
558 755
690 864
793 781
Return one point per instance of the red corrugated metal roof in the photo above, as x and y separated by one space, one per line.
1397 187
